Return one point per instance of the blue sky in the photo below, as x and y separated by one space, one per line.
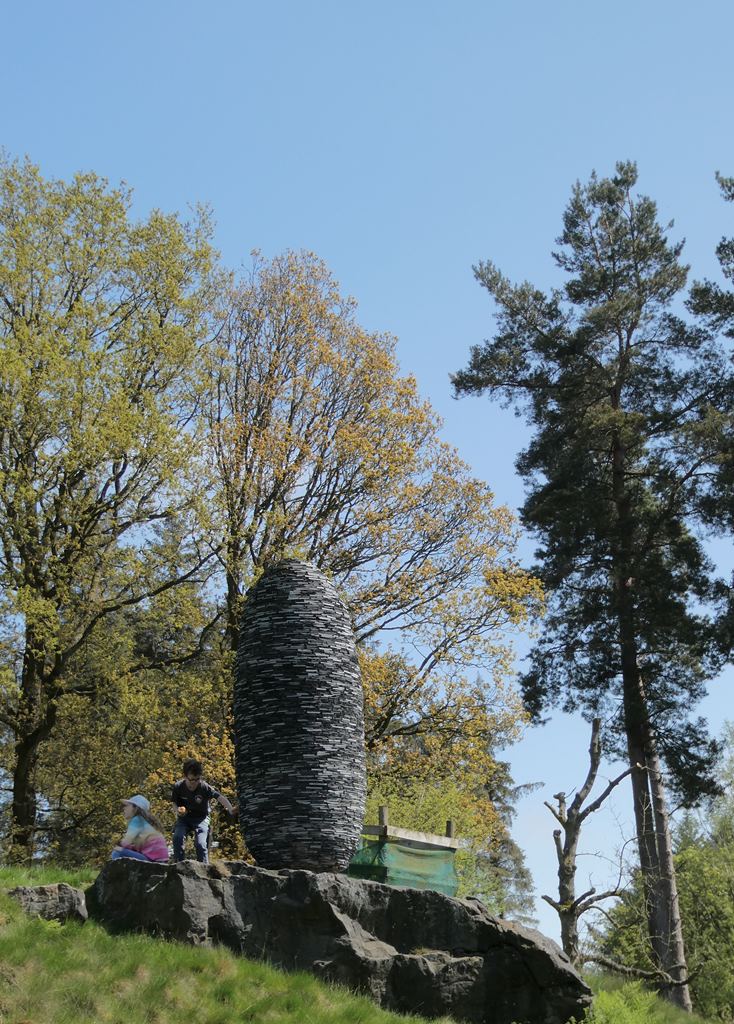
403 142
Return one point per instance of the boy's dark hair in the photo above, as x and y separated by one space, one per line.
192 767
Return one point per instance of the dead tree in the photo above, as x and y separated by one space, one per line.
571 817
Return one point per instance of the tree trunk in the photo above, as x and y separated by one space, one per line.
568 913
637 733
674 951
232 621
656 852
645 829
34 726
23 807
568 906
570 936
25 804
232 573
653 833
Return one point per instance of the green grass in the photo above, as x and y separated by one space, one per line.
79 877
80 974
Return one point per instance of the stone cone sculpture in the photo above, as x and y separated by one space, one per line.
299 726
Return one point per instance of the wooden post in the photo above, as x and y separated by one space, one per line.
450 828
382 817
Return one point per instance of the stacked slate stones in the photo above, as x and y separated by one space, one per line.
299 727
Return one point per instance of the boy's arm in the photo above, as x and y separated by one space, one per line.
222 799
214 794
176 801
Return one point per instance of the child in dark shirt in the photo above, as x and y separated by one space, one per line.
191 796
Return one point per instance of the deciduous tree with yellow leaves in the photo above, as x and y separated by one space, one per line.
322 449
100 323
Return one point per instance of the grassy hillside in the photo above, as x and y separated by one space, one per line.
72 974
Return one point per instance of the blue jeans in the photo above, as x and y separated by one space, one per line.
132 854
181 829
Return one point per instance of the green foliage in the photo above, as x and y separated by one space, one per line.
706 890
90 976
706 893
617 1002
431 757
131 729
100 323
715 433
631 1004
709 299
705 872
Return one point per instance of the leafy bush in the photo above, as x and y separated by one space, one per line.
629 1002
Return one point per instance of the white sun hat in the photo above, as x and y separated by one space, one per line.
138 801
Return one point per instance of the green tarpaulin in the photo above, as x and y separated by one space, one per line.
402 864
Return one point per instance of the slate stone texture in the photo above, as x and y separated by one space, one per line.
299 726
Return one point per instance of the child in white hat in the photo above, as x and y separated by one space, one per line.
144 839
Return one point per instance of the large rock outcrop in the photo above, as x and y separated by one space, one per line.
299 724
411 950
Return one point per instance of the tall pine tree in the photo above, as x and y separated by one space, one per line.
714 433
613 384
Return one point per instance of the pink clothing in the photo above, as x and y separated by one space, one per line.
143 838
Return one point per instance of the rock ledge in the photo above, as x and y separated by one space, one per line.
411 950
57 902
